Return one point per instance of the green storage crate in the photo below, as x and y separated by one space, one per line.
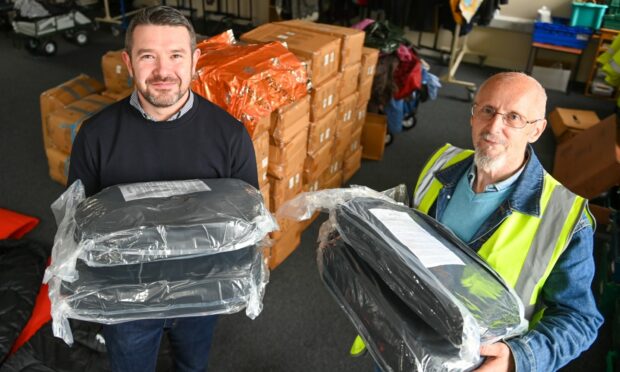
587 15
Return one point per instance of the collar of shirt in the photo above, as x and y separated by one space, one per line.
499 186
135 102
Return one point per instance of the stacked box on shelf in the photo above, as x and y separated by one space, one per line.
373 136
345 124
57 143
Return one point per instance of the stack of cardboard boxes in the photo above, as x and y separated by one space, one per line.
65 107
587 156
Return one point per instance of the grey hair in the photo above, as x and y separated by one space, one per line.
159 16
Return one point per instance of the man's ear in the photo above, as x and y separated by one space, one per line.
539 128
195 56
127 61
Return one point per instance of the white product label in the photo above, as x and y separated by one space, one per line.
430 251
360 115
324 102
330 100
265 162
349 114
265 176
332 57
321 137
291 182
371 70
297 178
118 69
327 133
283 37
326 60
161 189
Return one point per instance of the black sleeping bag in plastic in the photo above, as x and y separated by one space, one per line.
437 293
144 222
214 284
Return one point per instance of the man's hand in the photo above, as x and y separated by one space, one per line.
498 358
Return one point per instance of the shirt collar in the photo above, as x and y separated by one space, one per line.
135 102
526 195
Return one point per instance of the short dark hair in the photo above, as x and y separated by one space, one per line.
160 16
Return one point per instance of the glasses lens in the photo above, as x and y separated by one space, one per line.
512 119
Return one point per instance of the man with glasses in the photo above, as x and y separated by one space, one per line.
534 232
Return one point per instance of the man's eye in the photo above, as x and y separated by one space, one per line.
177 56
146 56
487 110
513 116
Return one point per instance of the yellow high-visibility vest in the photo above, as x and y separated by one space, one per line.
524 248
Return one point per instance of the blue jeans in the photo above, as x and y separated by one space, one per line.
133 346
398 109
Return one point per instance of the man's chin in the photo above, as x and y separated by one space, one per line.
163 101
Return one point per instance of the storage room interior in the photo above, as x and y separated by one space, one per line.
344 102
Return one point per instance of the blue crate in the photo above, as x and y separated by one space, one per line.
560 33
587 15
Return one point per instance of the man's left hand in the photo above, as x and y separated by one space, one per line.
498 358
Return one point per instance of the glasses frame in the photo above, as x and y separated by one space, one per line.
524 120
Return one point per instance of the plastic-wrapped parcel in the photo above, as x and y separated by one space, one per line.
150 221
181 248
417 294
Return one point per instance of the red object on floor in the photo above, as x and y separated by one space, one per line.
41 314
14 225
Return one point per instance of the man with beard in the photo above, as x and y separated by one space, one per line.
535 233
163 131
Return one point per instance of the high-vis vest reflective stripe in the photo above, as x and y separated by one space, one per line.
524 248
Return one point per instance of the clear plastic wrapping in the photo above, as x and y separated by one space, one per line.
158 250
420 298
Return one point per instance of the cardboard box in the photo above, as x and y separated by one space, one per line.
373 136
263 125
58 163
321 132
284 132
349 80
352 40
602 215
283 159
360 113
566 123
365 91
63 124
324 98
261 149
351 165
346 109
282 190
322 50
64 94
317 163
335 168
283 247
311 185
285 116
589 163
370 57
264 190
343 138
552 74
115 74
333 182
355 143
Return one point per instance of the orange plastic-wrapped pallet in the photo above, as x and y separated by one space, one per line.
250 81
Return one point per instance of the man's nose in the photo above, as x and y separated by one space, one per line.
497 121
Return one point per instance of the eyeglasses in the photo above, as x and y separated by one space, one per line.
510 119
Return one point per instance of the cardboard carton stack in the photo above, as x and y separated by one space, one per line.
63 110
589 162
567 123
118 82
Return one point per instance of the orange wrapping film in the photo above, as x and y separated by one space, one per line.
250 81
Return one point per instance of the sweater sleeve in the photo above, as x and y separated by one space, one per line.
82 164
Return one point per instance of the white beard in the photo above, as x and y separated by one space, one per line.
488 164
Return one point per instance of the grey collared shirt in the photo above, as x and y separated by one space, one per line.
135 102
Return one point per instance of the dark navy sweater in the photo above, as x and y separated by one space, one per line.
118 145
